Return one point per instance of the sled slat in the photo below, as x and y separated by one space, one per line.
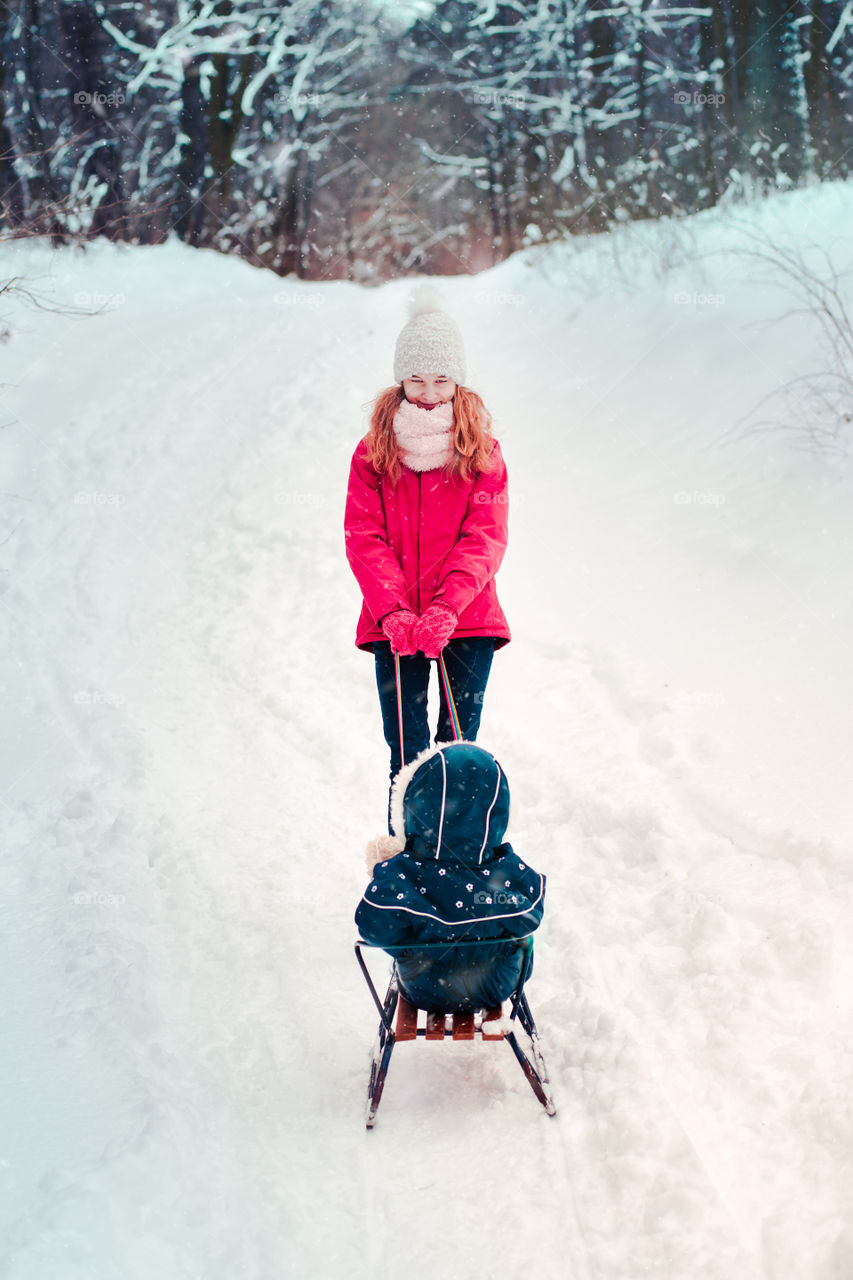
407 1020
463 1026
492 1015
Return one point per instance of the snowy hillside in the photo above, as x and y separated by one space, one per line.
192 763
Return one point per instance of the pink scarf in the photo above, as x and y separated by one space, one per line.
425 436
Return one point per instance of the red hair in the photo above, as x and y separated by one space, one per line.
472 441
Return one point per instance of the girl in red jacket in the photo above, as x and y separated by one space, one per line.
426 530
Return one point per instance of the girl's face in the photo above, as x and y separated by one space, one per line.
429 389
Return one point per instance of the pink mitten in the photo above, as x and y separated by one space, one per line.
433 629
397 627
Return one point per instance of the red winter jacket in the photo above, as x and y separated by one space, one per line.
432 538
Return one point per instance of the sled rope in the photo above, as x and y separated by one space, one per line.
448 694
399 707
454 718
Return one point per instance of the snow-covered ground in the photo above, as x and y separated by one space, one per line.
192 762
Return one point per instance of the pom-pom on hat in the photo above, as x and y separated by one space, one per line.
431 341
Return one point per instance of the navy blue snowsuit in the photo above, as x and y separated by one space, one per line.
455 882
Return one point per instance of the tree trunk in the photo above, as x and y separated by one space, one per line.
12 207
224 116
94 115
286 224
710 53
823 95
602 50
37 189
765 38
188 216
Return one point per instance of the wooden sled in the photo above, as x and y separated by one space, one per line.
486 1024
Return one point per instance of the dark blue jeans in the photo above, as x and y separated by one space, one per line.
468 661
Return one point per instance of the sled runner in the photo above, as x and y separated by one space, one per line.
486 1024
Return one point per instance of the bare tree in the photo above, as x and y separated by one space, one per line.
818 406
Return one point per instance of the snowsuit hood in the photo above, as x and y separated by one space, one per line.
452 804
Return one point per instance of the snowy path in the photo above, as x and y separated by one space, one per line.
194 765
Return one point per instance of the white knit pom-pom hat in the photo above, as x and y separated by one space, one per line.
431 341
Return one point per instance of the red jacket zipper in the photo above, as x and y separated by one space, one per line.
420 478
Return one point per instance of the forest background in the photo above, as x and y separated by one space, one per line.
367 141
